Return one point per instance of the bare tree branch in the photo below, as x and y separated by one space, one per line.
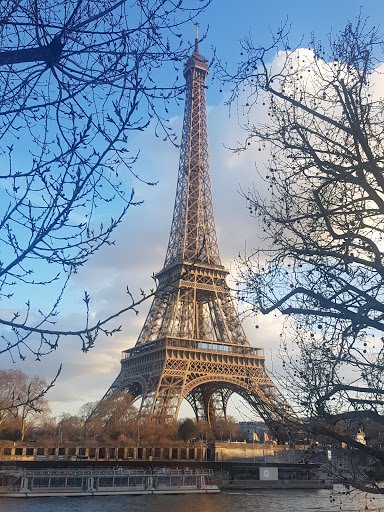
321 261
77 79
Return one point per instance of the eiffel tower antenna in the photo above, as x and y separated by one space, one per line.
192 345
197 38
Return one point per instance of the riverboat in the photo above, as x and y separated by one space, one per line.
71 482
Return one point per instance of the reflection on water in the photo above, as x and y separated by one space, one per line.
242 501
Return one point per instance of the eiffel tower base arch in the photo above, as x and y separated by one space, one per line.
176 370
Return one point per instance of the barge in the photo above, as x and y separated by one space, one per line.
89 481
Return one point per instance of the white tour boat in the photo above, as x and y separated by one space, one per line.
67 482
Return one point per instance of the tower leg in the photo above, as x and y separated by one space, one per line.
162 403
217 405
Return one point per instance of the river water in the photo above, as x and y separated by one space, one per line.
241 501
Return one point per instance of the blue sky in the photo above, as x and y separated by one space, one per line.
141 241
229 22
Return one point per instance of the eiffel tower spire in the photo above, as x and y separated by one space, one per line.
192 345
193 232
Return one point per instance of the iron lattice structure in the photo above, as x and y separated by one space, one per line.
192 345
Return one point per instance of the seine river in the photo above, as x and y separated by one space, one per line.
242 501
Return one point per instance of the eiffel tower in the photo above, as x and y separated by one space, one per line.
192 345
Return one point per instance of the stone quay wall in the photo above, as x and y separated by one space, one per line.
17 451
198 451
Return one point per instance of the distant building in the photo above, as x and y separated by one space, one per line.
255 431
360 436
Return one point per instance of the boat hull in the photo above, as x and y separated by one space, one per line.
74 494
